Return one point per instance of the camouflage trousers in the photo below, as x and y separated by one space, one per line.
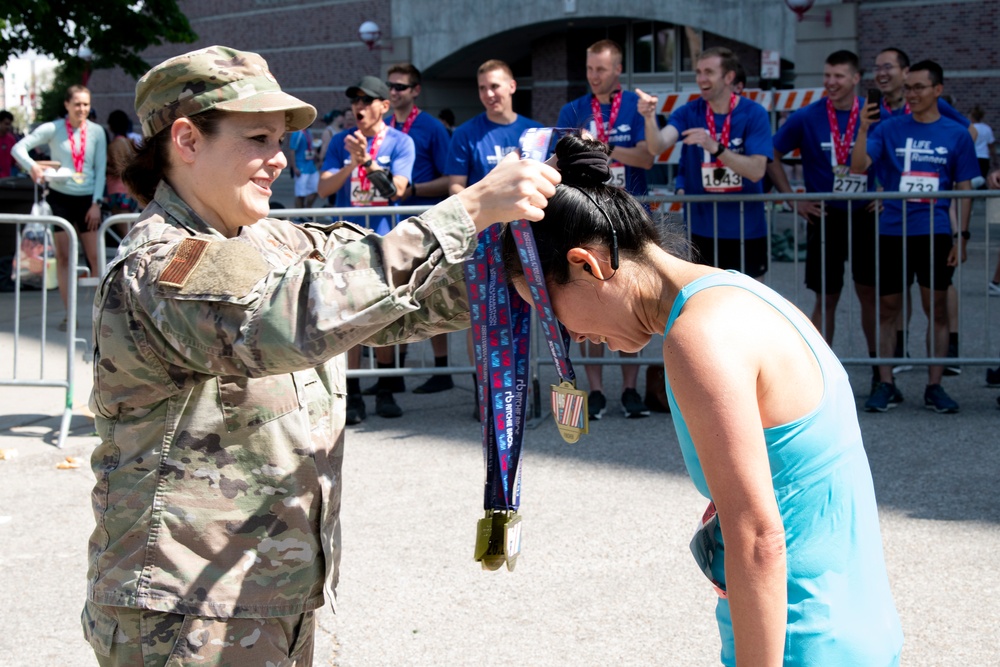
122 636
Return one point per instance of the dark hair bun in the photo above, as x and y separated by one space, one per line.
582 161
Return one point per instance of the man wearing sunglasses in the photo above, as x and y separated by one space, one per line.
919 153
368 165
429 185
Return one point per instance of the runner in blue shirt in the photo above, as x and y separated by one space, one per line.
920 153
824 132
428 186
621 126
302 164
611 115
725 151
479 144
891 66
354 155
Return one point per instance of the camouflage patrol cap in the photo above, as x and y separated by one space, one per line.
217 77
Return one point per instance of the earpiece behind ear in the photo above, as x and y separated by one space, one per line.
586 267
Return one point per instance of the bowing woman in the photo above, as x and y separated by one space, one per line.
764 415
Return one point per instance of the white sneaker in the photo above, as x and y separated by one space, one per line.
993 289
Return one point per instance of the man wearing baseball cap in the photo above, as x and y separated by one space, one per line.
369 165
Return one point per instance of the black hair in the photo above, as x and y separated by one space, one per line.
741 75
902 59
933 70
149 165
119 123
584 211
447 115
6 115
844 57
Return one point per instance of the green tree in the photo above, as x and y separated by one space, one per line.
116 31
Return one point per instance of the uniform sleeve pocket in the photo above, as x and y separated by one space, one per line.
99 628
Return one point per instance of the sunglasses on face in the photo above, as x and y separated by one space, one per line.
362 99
399 87
916 88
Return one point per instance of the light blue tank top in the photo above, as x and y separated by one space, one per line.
840 608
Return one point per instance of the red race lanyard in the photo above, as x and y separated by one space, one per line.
373 153
77 156
726 125
888 111
408 123
842 142
603 130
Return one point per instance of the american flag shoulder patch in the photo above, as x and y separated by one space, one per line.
185 260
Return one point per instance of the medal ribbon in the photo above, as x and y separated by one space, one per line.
726 125
500 326
77 156
408 123
604 130
842 142
372 153
535 144
888 111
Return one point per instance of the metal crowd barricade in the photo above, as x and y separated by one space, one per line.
676 221
16 379
983 347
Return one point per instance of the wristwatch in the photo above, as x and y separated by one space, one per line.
720 150
367 163
965 235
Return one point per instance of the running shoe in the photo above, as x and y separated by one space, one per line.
356 411
596 405
386 406
882 398
937 400
632 405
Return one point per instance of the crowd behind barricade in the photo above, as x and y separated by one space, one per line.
382 149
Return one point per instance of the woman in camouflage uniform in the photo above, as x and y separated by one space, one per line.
219 380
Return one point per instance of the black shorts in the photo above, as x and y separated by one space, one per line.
72 208
860 239
918 262
755 254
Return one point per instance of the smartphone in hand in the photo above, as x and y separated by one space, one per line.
875 95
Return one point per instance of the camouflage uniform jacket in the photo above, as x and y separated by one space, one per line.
219 391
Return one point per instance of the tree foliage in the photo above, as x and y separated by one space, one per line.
116 31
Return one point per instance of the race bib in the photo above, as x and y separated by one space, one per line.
617 175
716 177
850 183
920 183
366 197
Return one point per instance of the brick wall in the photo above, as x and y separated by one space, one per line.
278 29
958 36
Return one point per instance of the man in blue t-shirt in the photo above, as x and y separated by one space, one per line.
354 156
301 156
891 67
824 132
429 184
479 144
612 116
727 145
919 153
